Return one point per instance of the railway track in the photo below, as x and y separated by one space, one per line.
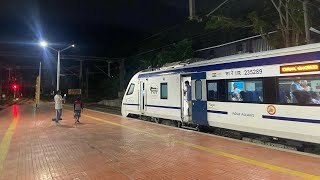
103 108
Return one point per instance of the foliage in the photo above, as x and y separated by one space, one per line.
103 87
285 16
290 21
221 22
147 61
176 52
180 51
260 26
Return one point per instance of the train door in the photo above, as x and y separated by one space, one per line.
142 97
199 99
185 109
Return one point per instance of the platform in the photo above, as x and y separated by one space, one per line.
106 146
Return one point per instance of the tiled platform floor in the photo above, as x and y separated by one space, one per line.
111 147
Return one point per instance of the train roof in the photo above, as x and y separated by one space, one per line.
234 58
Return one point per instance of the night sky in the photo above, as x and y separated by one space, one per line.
101 28
97 27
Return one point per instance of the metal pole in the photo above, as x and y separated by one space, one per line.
40 70
1 88
0 84
9 74
121 77
9 81
192 8
58 71
80 75
87 83
306 22
39 82
109 71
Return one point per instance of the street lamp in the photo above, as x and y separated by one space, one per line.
45 44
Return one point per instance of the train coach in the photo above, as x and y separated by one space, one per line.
272 94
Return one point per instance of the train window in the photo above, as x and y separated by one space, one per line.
198 89
301 90
164 90
245 90
131 89
212 91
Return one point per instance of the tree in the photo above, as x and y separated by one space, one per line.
290 14
175 52
224 23
180 51
285 16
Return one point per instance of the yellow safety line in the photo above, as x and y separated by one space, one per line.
217 152
5 143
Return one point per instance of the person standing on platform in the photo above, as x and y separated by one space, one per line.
187 92
77 107
58 106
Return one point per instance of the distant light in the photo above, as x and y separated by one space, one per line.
15 86
43 43
73 45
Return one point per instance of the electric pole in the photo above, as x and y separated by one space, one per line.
109 71
87 83
192 10
121 77
80 75
9 80
0 84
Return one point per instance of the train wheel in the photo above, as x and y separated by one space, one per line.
156 120
199 128
202 128
179 124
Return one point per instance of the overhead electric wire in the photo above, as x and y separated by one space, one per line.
67 57
199 36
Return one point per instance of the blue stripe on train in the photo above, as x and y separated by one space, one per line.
166 107
171 107
128 104
248 63
217 112
224 112
291 119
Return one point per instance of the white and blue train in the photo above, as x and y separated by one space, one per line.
274 94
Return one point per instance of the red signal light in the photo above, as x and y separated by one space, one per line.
15 86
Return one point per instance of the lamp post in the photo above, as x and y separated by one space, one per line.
45 44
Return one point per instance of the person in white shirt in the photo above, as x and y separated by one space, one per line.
58 106
235 89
